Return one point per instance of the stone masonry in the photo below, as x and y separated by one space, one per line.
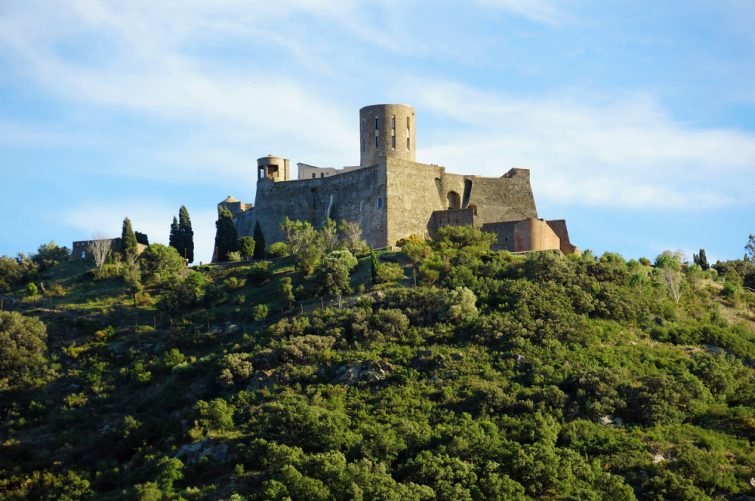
392 196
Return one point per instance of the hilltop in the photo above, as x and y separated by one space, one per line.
442 371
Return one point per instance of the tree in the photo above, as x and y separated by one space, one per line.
226 238
23 345
50 254
161 264
328 236
333 274
701 260
287 292
246 247
669 265
173 240
304 244
375 265
259 242
99 248
186 235
128 239
750 248
351 236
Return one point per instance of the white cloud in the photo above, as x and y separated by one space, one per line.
624 151
544 11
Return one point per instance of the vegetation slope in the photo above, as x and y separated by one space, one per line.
449 372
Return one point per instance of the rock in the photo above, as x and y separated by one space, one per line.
611 420
369 371
195 452
519 359
659 458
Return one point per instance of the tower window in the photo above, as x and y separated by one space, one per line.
314 175
393 142
377 123
407 123
393 122
407 143
379 202
377 141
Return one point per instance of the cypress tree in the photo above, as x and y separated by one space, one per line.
259 242
186 235
128 239
173 241
375 265
226 238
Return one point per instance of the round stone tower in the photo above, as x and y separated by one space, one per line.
273 168
386 130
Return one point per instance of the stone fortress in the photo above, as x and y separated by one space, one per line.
392 196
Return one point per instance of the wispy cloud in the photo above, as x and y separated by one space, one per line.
544 11
618 151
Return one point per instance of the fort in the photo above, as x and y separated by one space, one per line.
392 196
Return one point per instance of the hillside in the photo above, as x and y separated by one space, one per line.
448 371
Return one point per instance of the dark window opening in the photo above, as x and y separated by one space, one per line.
322 174
314 175
379 202
407 143
377 123
393 142
393 122
454 200
377 142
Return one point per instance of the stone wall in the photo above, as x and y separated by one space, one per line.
358 195
415 191
535 235
450 217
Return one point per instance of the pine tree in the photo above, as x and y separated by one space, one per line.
186 235
128 239
226 238
259 242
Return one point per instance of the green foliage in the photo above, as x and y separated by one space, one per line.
304 243
260 312
49 255
216 415
23 348
161 265
510 377
128 239
246 247
333 274
226 237
701 260
287 292
31 290
457 237
278 249
259 242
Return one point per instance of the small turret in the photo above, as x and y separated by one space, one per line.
273 168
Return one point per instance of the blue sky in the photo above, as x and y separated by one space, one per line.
637 118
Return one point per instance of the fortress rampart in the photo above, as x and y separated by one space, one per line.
391 196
